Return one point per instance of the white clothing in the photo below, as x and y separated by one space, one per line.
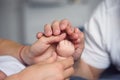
102 36
10 65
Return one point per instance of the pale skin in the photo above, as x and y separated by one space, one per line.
63 49
30 54
82 69
56 28
73 34
41 71
53 50
34 55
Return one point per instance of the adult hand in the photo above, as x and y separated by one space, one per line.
59 70
34 53
73 34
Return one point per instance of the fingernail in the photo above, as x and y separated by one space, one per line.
57 32
62 26
49 32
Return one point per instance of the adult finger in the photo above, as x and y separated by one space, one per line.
69 30
79 45
55 27
80 36
64 23
77 54
74 35
43 43
54 39
47 30
39 35
67 63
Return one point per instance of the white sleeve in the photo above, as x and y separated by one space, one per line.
10 65
95 53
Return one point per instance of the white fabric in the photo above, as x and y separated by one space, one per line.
10 65
102 36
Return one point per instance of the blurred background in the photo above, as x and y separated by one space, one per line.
20 20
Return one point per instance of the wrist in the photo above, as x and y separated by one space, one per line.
23 54
20 54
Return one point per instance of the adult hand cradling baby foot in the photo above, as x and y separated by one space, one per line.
72 45
53 45
57 50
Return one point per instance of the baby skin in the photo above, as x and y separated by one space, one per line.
62 50
65 48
